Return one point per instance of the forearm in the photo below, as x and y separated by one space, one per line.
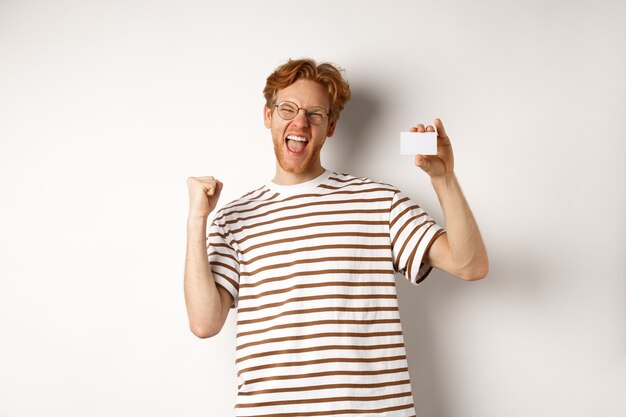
201 295
467 248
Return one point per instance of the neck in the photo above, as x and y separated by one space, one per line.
290 178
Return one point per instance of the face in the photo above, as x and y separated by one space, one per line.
306 163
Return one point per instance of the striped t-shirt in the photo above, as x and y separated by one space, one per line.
311 269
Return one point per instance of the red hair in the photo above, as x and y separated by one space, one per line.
325 74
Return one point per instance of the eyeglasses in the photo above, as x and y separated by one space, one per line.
288 110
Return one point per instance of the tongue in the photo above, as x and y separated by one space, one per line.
295 146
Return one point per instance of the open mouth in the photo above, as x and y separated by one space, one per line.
296 144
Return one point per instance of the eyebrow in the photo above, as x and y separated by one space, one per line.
293 100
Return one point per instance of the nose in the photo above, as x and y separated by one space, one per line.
301 118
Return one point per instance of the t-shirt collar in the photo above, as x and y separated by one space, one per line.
301 187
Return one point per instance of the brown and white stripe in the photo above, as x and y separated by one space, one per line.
311 271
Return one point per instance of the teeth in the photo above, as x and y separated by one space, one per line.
297 138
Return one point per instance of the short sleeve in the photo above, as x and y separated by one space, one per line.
412 232
223 260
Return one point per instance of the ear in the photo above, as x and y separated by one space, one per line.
267 116
331 128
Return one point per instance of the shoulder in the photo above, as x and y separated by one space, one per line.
348 180
232 208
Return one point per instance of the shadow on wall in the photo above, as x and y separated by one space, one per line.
421 353
512 279
350 142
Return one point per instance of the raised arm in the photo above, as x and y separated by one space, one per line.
461 251
207 304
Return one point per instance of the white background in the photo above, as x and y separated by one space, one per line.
106 107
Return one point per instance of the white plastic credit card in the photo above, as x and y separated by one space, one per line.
422 143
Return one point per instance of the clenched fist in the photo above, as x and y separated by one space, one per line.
203 195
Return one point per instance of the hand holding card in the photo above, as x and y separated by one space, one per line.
441 164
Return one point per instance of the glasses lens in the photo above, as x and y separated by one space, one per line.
287 110
316 115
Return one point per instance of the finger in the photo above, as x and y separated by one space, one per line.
210 188
413 129
199 180
440 129
420 127
429 128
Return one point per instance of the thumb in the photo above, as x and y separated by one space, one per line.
422 162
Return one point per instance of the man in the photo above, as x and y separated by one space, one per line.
308 260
